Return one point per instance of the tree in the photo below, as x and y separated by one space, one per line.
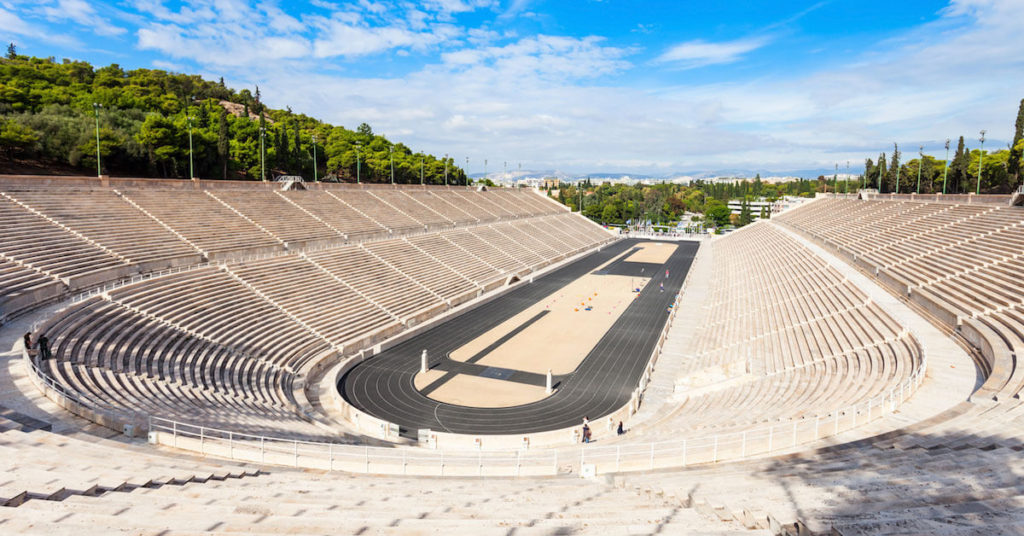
16 138
958 176
893 177
364 130
881 172
53 102
745 216
1013 164
223 142
12 51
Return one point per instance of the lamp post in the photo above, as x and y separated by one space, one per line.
504 170
467 171
358 144
846 182
485 169
263 170
314 158
921 164
945 172
446 169
96 112
421 171
981 160
835 180
391 151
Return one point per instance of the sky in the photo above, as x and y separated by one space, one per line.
627 86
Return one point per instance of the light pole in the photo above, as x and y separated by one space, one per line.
467 171
846 183
314 158
835 180
485 169
421 171
981 160
96 112
945 172
921 163
446 169
357 163
504 170
391 151
263 171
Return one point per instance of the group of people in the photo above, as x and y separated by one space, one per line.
42 346
586 429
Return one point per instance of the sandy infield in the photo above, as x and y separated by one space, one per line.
655 252
480 392
563 337
559 340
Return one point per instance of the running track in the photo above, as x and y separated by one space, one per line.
383 385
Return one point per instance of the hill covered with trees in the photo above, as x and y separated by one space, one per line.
48 122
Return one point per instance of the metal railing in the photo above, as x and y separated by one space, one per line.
640 456
626 456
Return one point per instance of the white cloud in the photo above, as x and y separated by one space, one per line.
553 101
83 13
542 55
699 53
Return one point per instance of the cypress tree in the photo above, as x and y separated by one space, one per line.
223 145
958 167
894 169
881 171
1013 164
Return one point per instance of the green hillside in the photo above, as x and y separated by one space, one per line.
48 122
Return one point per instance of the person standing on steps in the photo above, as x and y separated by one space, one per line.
27 339
44 347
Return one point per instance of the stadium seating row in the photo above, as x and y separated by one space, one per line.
64 240
961 263
797 338
222 345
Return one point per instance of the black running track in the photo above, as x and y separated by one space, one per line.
383 385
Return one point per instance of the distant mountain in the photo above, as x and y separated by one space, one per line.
512 176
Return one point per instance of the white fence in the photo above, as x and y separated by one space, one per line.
626 456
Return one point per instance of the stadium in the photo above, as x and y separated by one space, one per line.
228 356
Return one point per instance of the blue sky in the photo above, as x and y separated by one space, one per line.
586 85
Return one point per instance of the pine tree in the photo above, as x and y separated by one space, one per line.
1013 164
12 51
223 145
221 83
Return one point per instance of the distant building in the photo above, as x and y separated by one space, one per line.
736 206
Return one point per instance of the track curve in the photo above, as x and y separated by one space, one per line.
383 385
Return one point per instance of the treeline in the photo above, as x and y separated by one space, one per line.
47 114
668 203
1000 170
